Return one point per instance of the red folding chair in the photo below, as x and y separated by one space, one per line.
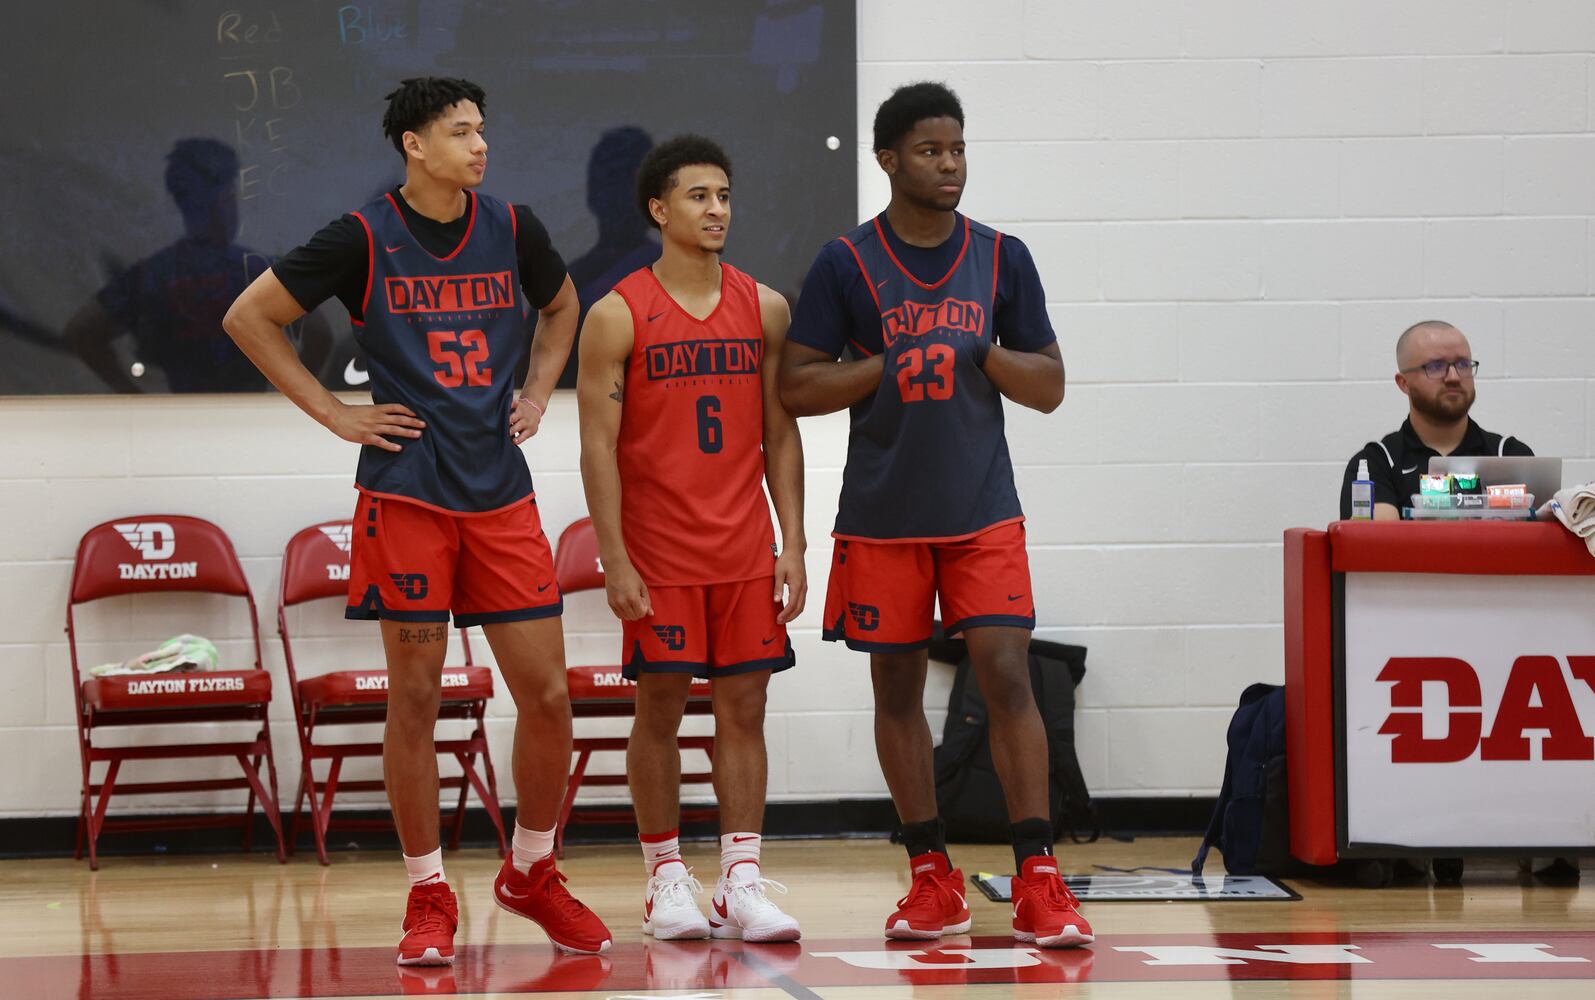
602 692
166 553
315 566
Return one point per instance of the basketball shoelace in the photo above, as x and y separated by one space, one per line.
926 890
752 894
553 885
431 912
675 891
1054 893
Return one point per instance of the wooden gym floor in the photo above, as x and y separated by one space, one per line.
235 926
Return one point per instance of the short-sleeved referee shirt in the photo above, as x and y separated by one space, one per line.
1396 461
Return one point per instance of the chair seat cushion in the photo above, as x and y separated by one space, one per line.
203 689
370 687
600 683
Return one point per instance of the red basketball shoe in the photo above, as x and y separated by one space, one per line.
1044 910
935 903
430 917
540 896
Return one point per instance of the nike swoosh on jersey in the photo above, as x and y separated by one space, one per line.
1408 472
657 315
353 374
544 587
394 249
766 642
1014 597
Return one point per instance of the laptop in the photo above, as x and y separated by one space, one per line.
1542 476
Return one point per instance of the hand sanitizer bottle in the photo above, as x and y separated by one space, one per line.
1362 493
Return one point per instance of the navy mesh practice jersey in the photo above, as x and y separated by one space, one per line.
442 335
927 457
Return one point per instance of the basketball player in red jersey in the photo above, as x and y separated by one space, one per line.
943 317
680 422
435 277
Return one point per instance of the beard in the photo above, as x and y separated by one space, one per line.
1446 408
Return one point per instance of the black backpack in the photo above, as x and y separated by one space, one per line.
1251 820
968 793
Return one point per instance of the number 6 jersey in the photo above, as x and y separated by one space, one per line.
443 336
691 445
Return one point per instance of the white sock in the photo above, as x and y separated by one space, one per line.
425 870
529 847
660 848
740 851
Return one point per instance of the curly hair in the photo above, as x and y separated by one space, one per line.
656 175
911 104
422 99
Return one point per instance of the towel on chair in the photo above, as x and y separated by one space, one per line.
180 654
1575 508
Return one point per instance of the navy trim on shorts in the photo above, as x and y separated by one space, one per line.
638 664
979 621
518 615
363 613
865 646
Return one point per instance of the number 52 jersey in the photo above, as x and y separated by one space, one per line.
443 336
690 450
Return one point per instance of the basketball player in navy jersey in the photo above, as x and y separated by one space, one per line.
681 427
942 317
435 277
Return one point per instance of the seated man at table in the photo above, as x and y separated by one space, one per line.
1435 368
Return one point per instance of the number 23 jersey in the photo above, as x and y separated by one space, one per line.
443 336
691 444
927 459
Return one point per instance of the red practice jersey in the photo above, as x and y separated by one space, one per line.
691 448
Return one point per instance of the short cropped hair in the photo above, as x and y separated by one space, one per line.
420 100
911 104
1406 335
656 175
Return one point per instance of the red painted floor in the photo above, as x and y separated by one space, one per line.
718 965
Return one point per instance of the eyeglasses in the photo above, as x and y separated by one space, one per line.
1438 369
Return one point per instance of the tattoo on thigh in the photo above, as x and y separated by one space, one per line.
424 635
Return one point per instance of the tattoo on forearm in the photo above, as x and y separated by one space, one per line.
619 395
424 635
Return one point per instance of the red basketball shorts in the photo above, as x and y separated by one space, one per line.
412 563
882 595
710 630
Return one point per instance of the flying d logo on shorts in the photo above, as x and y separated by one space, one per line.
411 585
673 636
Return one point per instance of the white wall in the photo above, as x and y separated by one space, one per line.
1236 205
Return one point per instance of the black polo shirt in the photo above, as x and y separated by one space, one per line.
1397 460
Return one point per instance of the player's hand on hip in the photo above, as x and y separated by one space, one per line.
792 584
374 424
525 419
628 595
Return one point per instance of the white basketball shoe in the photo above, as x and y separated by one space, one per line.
741 908
670 908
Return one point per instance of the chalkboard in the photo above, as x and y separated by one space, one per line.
158 155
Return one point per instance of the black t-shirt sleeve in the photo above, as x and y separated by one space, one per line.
1383 477
822 319
1517 449
542 268
1021 322
334 262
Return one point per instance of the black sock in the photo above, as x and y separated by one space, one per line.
1031 837
925 837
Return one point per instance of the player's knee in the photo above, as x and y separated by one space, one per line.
413 700
1007 692
740 708
899 704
